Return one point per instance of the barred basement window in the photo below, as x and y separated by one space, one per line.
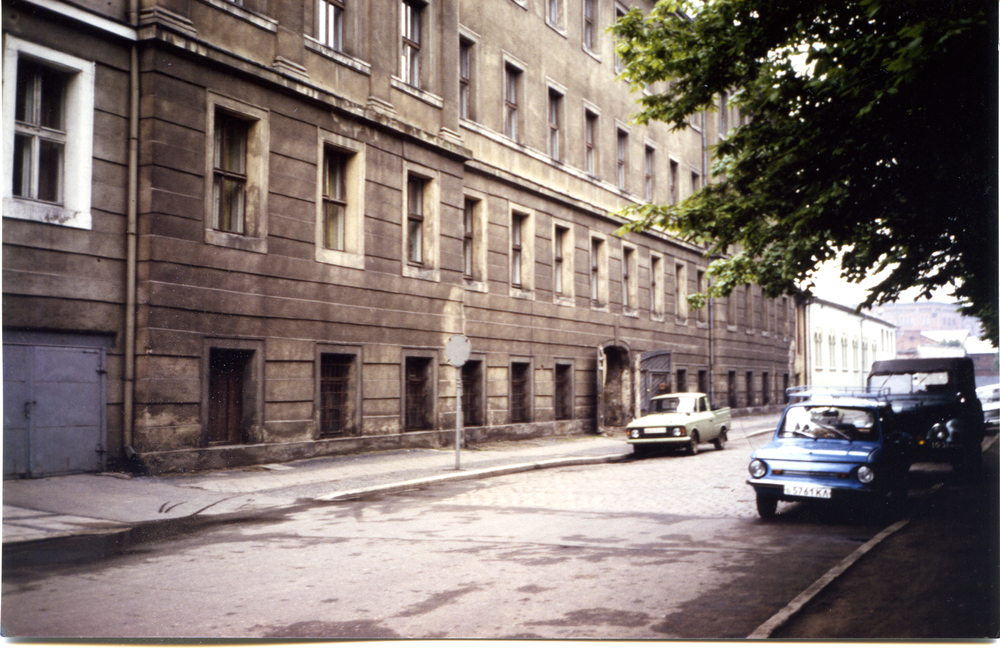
472 407
564 391
418 394
520 394
335 374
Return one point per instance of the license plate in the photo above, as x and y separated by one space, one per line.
940 445
808 492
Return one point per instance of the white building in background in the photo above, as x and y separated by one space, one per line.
841 345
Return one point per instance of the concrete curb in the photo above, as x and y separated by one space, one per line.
779 619
471 475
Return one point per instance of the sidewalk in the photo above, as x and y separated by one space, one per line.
73 505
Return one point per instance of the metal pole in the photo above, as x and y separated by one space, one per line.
458 419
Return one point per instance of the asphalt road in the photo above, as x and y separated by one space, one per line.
659 548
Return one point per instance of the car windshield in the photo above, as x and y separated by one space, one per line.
683 405
909 382
829 422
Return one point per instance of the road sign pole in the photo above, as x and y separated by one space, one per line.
456 353
458 419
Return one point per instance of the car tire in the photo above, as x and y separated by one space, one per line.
720 441
692 448
767 506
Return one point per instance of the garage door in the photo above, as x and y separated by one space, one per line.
53 410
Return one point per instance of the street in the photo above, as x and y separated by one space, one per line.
664 547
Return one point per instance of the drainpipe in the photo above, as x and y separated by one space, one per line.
128 397
711 350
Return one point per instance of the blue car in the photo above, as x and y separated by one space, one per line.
836 449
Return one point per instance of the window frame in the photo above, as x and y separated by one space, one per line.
591 136
330 18
74 208
621 159
466 68
598 265
681 306
477 391
630 280
555 119
563 392
512 114
254 236
430 250
590 14
411 24
353 154
657 286
480 215
353 398
649 168
428 359
253 388
563 237
525 365
524 250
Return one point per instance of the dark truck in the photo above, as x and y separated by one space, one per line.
934 399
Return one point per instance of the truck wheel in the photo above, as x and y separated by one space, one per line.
693 444
720 441
767 506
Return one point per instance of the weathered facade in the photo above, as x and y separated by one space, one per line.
286 210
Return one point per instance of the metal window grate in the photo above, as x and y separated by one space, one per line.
335 373
519 394
472 412
564 392
416 393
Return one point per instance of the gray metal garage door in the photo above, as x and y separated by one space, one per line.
53 410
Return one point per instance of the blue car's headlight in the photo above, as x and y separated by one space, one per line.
758 469
865 474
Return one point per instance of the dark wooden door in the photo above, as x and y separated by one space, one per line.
227 369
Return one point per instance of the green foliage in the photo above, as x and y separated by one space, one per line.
872 137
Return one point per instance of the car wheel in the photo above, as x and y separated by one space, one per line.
767 506
693 444
720 441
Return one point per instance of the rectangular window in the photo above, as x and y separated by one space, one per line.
418 395
656 285
516 250
748 305
552 12
558 261
703 381
334 200
751 398
700 286
465 79
472 393
409 64
595 269
335 409
818 349
674 170
230 173
843 353
555 110
48 117
590 138
681 292
695 181
832 341
619 64
39 132
630 279
765 388
622 155
650 171
510 87
520 392
563 391
723 114
469 238
589 26
682 381
330 23
731 389
415 220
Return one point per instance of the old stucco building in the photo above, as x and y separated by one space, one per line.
243 231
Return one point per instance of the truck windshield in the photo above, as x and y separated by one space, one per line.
909 382
683 405
829 422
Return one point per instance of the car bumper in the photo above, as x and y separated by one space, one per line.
659 441
781 489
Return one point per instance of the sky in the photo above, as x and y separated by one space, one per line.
831 287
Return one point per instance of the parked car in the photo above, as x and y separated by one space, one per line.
679 420
989 398
935 400
833 448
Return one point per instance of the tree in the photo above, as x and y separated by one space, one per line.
870 135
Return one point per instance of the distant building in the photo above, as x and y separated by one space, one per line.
836 346
914 319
